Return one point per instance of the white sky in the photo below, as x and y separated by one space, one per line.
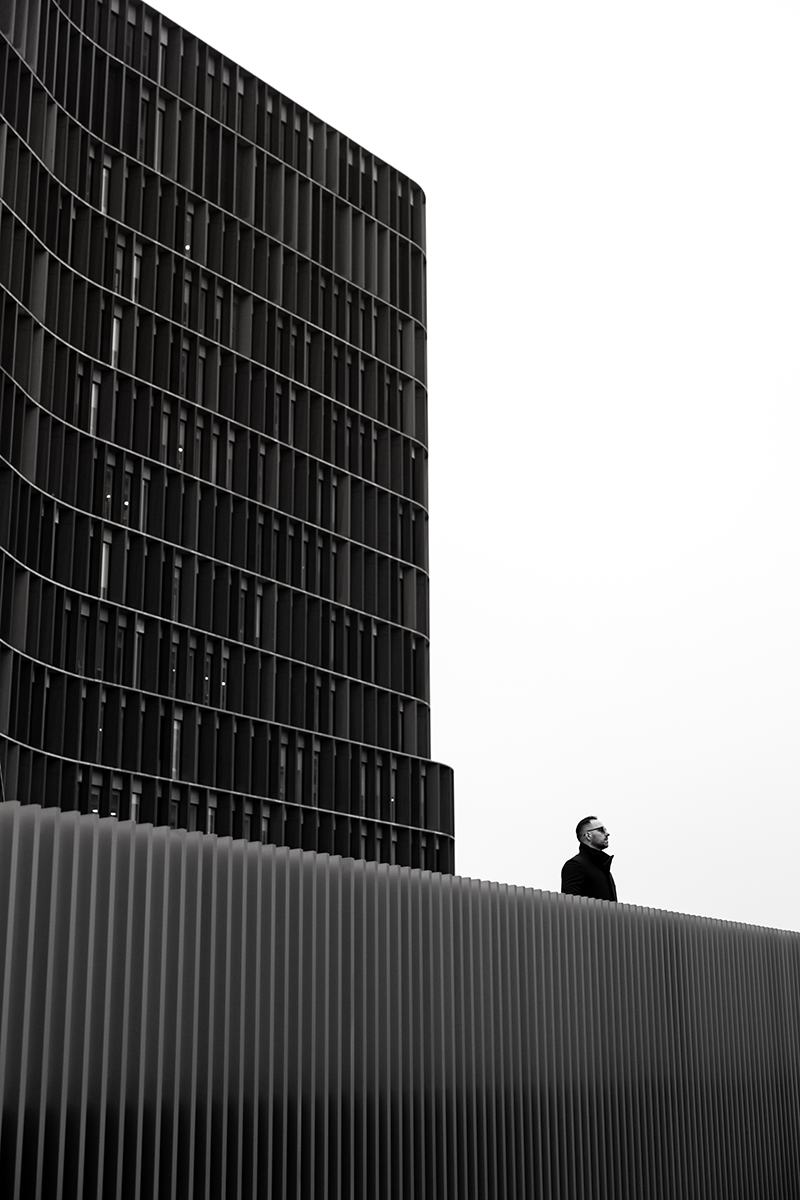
613 201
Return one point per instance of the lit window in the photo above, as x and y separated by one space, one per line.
105 559
94 404
116 333
136 798
105 185
137 272
177 726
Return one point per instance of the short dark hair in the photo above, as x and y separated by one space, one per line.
579 828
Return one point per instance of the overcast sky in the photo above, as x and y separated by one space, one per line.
613 203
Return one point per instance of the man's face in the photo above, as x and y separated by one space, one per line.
596 835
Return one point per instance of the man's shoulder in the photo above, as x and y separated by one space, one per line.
575 864
575 879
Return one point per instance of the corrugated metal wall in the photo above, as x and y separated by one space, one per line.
186 1016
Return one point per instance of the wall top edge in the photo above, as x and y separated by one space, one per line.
14 814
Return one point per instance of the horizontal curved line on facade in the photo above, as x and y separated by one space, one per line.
234 712
170 781
119 298
229 128
362 612
213 206
247 429
337 676
345 472
172 250
160 464
223 639
90 598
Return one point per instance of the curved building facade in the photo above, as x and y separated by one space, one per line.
213 462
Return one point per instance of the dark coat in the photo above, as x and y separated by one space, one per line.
589 874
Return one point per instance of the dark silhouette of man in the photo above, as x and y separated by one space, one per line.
589 872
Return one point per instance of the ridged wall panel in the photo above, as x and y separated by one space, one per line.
191 1016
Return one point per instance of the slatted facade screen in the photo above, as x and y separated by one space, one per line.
190 1016
214 572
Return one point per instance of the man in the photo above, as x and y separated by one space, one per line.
589 872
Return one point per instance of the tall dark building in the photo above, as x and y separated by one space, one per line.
213 463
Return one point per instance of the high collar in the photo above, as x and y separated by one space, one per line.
597 856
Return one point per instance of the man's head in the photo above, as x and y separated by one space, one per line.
593 833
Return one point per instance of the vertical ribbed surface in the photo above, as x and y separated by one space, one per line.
198 1017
